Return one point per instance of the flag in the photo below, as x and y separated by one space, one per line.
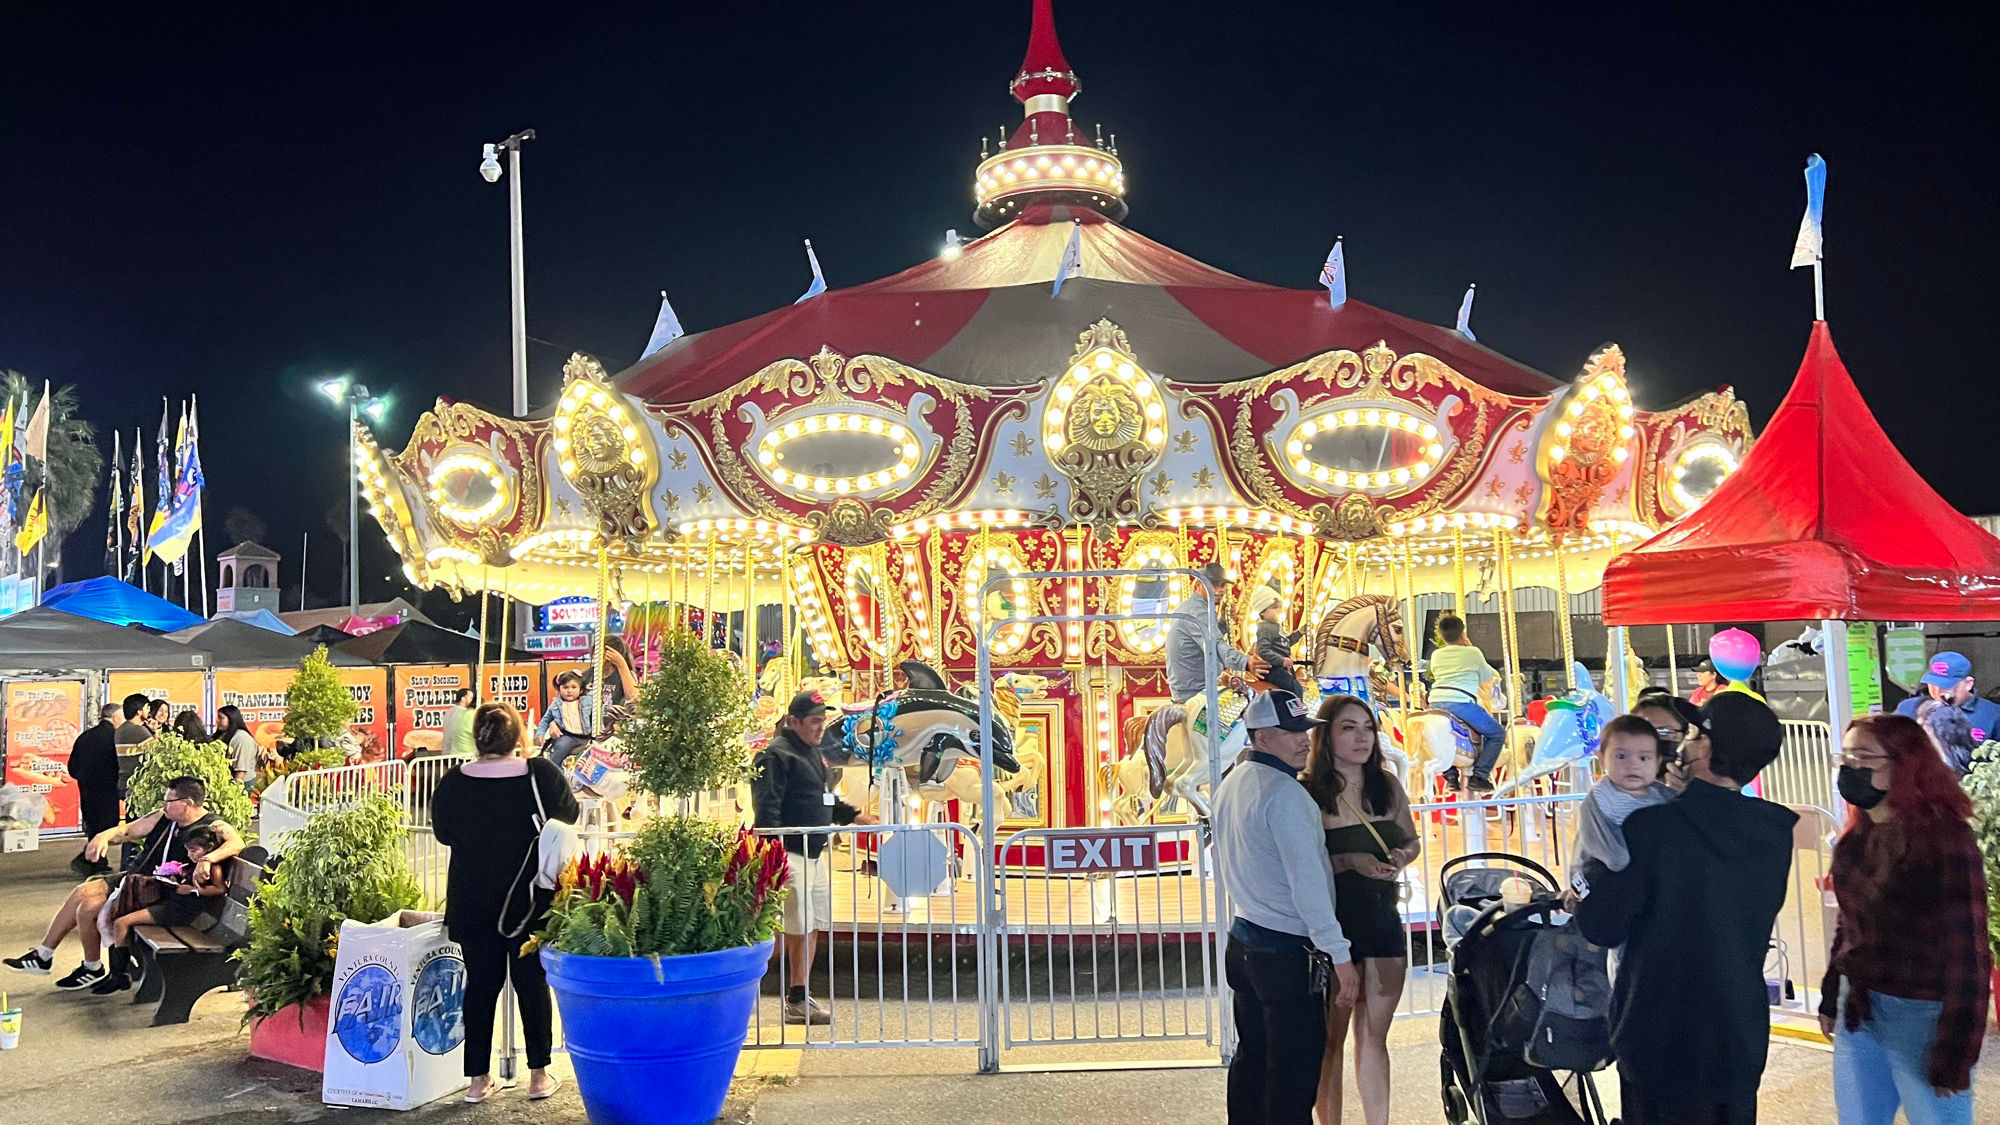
1072 259
36 442
1465 313
135 510
7 436
116 509
36 525
666 329
164 494
174 526
1811 245
1333 275
818 285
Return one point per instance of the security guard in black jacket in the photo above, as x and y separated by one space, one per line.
789 790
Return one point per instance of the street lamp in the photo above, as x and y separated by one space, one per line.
489 167
354 396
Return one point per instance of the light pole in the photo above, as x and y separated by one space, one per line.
354 396
489 167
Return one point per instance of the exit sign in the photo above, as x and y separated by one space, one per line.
1102 851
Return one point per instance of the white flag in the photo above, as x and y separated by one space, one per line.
666 329
1465 313
1072 259
1811 244
818 285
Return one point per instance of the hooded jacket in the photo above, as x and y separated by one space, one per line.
1690 1017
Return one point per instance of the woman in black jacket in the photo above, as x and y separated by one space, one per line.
485 812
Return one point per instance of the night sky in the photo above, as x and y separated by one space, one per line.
238 201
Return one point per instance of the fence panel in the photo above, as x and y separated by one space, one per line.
1803 940
1803 773
290 802
1097 957
894 954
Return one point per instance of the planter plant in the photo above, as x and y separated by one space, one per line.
654 953
167 756
345 863
318 708
1982 784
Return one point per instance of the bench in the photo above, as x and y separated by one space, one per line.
178 965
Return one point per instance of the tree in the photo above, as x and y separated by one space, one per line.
318 708
245 526
75 462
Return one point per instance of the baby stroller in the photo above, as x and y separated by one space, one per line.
1526 997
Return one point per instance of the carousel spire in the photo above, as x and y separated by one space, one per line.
1046 158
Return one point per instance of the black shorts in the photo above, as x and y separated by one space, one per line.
1369 915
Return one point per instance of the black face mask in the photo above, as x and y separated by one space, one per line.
1857 787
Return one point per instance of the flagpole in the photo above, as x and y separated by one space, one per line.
201 525
1819 288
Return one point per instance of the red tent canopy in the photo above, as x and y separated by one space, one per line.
1824 519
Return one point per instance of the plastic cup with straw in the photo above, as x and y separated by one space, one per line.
10 1025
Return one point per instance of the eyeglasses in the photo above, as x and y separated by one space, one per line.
1671 734
1862 761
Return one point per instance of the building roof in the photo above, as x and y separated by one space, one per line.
1824 519
248 549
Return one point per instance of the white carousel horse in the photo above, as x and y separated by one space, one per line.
1439 741
1341 664
1167 755
1569 734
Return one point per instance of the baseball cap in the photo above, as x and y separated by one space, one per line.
1946 669
1705 666
1279 708
1745 735
806 704
1216 575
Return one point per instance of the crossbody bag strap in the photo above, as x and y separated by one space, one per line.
1348 802
534 850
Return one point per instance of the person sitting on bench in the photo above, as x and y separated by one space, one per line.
1459 675
165 835
187 901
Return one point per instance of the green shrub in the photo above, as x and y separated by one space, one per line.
1983 785
687 734
167 756
345 863
317 705
684 886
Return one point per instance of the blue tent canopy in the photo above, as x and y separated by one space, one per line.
120 603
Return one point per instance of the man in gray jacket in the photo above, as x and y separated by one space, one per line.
1188 643
1271 856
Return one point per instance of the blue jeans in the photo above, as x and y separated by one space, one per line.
564 745
1492 739
1881 1066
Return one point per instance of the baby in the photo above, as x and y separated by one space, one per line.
1628 755
1274 645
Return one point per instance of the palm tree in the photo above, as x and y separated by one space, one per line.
75 462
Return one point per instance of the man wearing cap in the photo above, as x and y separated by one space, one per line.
1949 681
789 791
1690 1016
1188 643
1271 856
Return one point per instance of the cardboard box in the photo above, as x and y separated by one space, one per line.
396 1034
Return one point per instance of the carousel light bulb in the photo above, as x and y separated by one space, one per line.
1156 436
1558 453
1349 417
1104 361
1124 371
1435 449
1621 453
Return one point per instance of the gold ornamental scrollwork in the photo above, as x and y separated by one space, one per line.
1104 427
602 449
520 452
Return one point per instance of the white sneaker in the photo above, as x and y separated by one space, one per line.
807 1012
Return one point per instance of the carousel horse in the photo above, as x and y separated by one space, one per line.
1339 657
1439 740
1167 755
1569 734
925 731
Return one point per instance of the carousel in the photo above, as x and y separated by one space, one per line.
882 474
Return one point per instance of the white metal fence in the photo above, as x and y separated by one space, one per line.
1803 773
1126 956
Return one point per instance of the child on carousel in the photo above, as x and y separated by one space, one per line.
572 720
1274 645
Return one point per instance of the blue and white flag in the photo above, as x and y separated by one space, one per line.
818 285
1072 259
175 526
1465 313
667 328
1811 246
1333 275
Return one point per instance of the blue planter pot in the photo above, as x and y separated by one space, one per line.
655 1043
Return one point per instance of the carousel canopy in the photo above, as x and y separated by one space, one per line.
1824 519
986 317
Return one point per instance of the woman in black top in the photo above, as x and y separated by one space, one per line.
484 811
1371 837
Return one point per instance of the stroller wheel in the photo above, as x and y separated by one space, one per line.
1456 1109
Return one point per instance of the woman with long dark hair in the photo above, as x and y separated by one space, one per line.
1906 991
1371 837
187 724
231 730
485 811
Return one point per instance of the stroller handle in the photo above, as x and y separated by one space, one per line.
1548 880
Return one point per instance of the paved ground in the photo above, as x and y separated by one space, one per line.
86 1060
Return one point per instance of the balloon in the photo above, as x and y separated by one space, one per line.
1735 653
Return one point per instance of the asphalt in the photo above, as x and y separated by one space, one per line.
86 1060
